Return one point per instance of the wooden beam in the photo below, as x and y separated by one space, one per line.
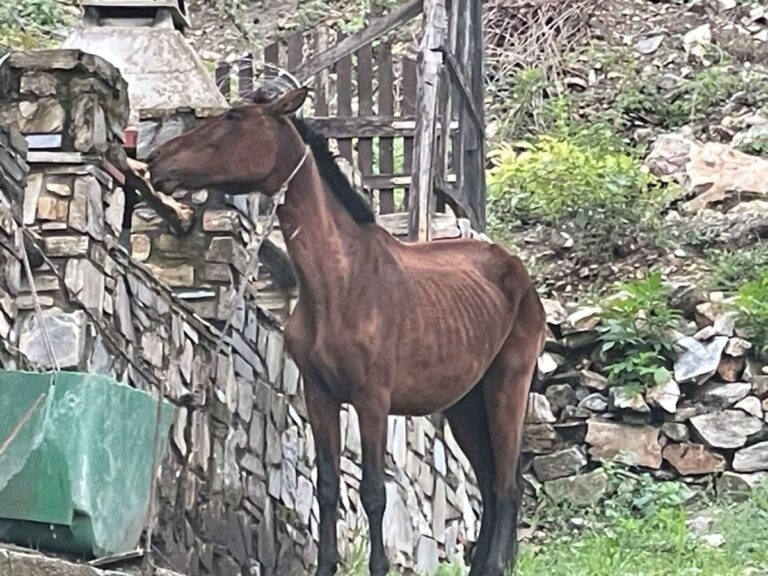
353 43
366 126
430 66
457 73
379 181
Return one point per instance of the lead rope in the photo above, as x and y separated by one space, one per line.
255 245
6 442
253 264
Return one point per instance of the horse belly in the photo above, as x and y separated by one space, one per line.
438 371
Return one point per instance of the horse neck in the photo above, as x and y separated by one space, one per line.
319 232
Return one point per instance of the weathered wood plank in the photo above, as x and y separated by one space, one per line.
462 83
365 106
364 37
386 108
378 181
272 54
344 100
408 107
444 226
321 42
430 65
476 165
367 126
245 75
295 50
222 78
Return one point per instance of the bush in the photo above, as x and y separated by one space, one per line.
636 333
752 303
582 179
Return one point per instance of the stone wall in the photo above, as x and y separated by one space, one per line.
236 491
708 420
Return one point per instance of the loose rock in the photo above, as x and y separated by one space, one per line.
559 464
752 459
634 445
664 396
693 459
582 490
726 429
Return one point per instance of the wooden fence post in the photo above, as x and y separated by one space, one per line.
430 67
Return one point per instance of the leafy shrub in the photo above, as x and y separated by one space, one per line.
752 303
580 178
636 333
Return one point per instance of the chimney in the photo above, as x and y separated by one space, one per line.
145 40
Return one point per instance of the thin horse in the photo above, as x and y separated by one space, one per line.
388 327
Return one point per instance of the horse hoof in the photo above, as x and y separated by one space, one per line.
380 569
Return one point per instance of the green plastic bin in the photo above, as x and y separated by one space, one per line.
75 460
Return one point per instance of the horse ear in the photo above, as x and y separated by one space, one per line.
289 102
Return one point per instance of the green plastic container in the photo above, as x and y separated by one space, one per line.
75 460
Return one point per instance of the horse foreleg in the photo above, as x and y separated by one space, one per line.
324 419
373 435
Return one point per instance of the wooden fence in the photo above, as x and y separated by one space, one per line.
368 99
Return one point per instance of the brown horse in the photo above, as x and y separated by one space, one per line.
388 327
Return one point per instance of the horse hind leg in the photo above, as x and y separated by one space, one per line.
469 424
506 386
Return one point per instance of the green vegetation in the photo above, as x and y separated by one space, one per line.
636 333
673 102
33 23
579 178
643 528
752 303
732 268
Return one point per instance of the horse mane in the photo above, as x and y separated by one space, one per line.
354 202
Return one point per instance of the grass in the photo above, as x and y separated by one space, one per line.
643 529
661 544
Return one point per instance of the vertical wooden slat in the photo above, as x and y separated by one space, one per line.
408 108
445 114
272 54
245 75
295 50
344 89
365 106
222 78
430 67
465 136
478 89
386 108
321 79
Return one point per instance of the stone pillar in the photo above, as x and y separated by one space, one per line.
70 105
